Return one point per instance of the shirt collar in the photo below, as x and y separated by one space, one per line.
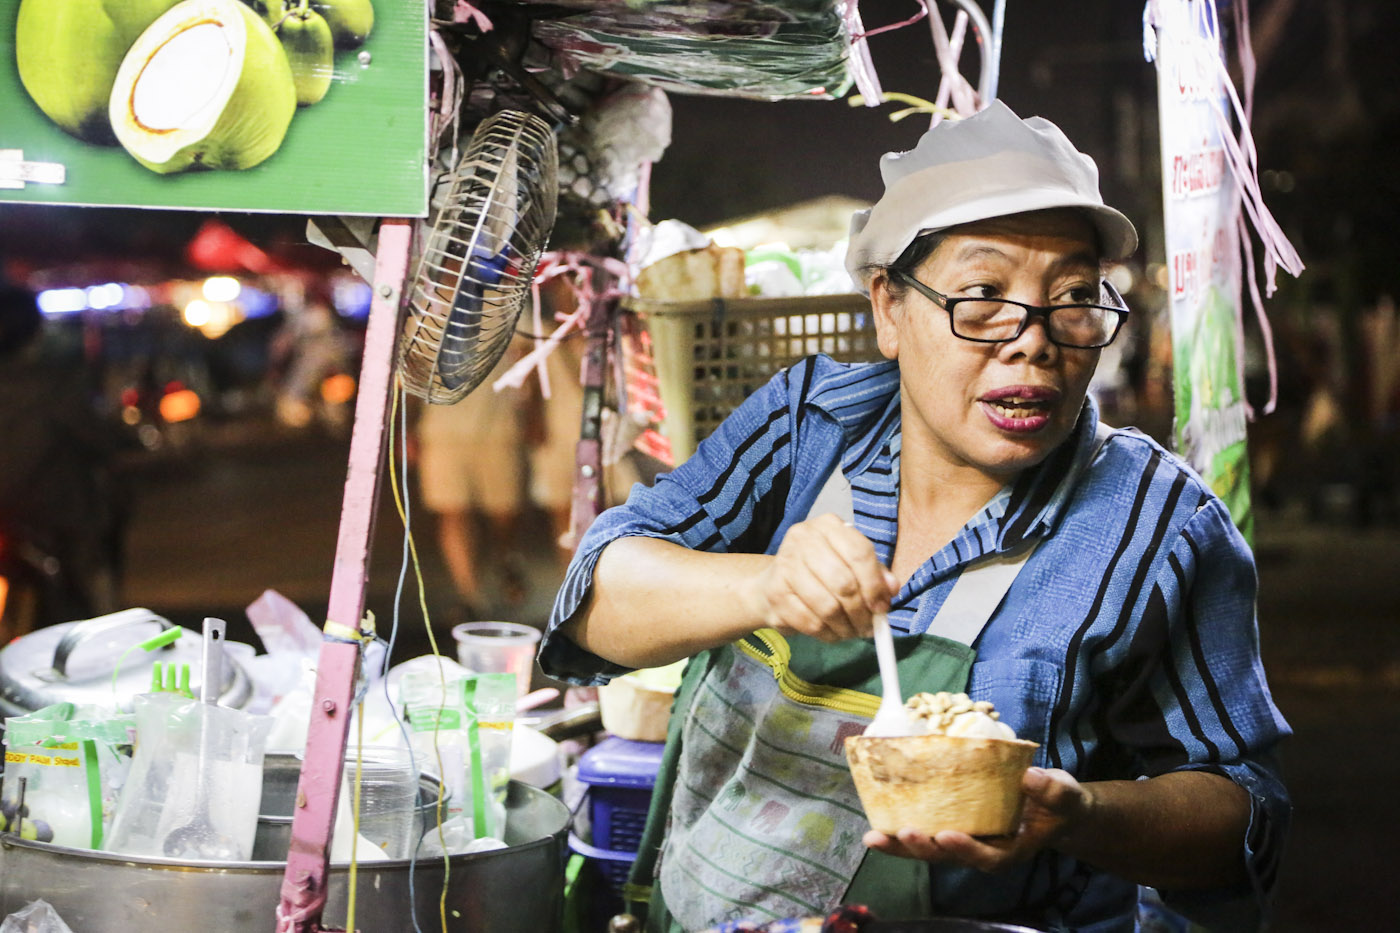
864 401
1040 496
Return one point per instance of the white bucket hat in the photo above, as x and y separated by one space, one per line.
990 164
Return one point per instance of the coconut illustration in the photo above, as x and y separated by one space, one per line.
207 84
272 10
67 53
310 52
350 20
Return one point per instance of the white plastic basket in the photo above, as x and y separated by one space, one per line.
711 355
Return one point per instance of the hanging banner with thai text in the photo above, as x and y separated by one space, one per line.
1201 210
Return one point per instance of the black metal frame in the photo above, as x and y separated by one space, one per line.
1032 311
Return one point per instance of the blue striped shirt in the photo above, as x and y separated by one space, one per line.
1127 646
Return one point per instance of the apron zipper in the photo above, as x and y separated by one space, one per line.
775 653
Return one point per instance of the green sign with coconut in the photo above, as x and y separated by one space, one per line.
292 106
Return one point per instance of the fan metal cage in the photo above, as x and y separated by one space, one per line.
493 218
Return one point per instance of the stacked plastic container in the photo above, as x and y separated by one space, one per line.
618 775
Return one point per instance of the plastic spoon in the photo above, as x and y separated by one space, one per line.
199 839
891 718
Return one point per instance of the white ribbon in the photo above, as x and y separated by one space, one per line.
861 65
950 79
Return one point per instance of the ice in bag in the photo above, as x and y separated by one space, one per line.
162 793
71 762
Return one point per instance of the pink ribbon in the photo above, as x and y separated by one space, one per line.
923 11
552 265
862 65
445 108
464 12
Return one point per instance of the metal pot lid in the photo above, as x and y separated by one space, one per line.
74 661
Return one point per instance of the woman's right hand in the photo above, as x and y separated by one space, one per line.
825 581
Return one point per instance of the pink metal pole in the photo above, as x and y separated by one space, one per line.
589 495
308 859
588 455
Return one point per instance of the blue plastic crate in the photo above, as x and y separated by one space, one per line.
620 775
611 864
600 882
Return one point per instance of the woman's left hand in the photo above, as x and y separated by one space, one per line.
1054 803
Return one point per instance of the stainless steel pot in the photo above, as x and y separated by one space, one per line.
518 889
74 662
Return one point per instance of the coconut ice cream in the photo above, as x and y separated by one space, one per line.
945 713
962 771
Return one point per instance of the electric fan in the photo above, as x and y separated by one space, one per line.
473 276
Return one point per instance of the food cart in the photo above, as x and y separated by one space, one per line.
338 85
528 104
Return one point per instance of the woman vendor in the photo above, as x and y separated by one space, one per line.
1107 605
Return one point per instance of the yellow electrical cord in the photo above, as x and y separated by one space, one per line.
916 105
355 820
394 415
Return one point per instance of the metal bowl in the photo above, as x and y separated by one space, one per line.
518 889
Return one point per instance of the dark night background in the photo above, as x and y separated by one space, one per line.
1327 113
260 508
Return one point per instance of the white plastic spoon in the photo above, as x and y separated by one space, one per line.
891 718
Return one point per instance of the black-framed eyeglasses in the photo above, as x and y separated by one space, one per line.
1000 320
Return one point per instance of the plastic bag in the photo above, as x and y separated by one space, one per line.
35 917
461 727
164 794
762 50
73 761
456 838
775 271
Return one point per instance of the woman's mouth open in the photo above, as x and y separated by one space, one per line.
1019 409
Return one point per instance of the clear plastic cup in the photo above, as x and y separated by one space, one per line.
498 648
388 796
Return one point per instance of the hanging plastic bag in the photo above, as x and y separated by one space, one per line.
35 917
71 762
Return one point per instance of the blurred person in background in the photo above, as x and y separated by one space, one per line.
554 425
552 432
310 349
63 509
471 466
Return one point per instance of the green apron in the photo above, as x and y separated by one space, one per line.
762 820
759 816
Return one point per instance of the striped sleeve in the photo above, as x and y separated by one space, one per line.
1205 704
728 497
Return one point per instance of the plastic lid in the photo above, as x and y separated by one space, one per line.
621 762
